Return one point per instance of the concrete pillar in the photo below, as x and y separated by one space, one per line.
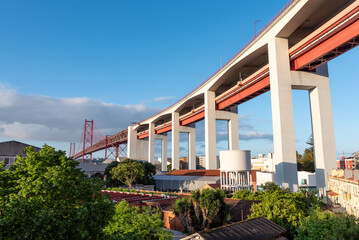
163 150
282 114
233 130
192 150
233 127
210 130
191 146
175 140
323 132
151 143
322 123
131 142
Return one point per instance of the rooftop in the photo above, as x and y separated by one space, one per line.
184 172
252 229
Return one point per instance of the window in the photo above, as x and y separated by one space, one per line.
304 181
7 160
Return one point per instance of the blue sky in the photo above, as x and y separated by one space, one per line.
121 61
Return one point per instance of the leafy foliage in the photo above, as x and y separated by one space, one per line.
248 195
44 196
169 167
182 209
110 182
280 205
150 170
206 209
285 209
133 223
306 161
325 225
145 178
128 171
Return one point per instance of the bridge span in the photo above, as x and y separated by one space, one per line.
290 52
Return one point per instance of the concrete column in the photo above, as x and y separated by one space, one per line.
175 140
131 142
192 150
233 130
210 129
282 114
233 127
191 146
163 150
322 123
151 143
323 132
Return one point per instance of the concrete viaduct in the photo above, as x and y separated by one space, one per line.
290 52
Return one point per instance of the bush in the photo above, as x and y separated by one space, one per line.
135 223
325 225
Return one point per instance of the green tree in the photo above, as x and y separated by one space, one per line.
45 196
182 209
110 182
169 167
306 161
133 223
150 170
325 225
298 156
146 178
285 209
206 209
127 171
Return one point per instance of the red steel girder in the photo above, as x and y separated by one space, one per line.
337 44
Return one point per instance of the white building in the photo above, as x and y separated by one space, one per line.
307 180
263 163
186 180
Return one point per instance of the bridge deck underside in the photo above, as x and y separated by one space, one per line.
321 47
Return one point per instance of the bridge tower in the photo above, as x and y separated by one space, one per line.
72 149
88 139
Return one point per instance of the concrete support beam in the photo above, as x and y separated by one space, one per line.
131 142
233 128
282 114
151 143
323 133
191 146
163 150
210 129
175 140
322 123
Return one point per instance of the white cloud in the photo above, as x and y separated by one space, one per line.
159 100
36 117
255 135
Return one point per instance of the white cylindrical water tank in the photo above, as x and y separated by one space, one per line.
235 160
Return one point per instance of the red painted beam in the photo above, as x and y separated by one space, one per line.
143 136
328 45
255 88
195 118
163 130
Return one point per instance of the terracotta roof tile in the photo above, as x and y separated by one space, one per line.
331 193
